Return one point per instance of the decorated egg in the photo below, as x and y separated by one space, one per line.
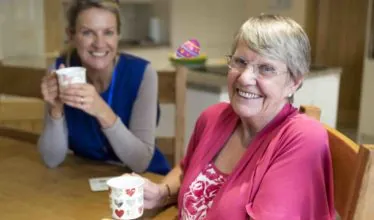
189 49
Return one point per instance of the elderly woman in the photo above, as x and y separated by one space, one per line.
113 116
256 157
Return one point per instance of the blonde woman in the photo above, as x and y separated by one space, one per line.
113 116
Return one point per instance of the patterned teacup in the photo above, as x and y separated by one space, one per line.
126 197
71 75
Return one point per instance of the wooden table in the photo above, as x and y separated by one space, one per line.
29 190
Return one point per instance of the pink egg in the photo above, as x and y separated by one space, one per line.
188 49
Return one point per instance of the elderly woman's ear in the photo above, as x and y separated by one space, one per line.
297 82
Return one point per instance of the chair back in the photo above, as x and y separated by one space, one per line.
365 200
311 110
350 162
21 107
172 89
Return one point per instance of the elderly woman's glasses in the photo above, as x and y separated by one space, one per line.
116 1
239 64
113 1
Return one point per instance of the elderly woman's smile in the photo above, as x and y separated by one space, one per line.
247 94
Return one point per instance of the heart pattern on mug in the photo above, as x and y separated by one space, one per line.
118 203
140 209
130 192
119 212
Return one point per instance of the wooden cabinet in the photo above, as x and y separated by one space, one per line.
22 113
341 33
366 116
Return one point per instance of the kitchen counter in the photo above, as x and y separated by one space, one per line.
159 61
29 61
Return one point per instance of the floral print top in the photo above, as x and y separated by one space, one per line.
199 197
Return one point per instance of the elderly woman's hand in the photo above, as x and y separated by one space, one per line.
85 97
50 92
154 194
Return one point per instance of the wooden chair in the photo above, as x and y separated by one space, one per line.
172 89
353 172
23 83
364 205
311 110
350 162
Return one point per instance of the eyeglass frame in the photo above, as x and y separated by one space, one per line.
256 71
99 1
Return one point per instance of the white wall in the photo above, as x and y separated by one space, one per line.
212 22
296 9
366 117
157 56
323 92
21 28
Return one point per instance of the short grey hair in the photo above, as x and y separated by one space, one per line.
279 38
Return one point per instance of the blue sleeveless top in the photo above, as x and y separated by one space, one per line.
84 132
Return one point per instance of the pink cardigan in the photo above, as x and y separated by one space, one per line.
286 173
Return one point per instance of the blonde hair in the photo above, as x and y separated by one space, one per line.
279 38
78 6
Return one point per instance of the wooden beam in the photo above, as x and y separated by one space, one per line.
53 26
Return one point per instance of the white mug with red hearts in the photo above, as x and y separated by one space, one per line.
126 197
71 75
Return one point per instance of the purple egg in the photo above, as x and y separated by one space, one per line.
195 42
188 49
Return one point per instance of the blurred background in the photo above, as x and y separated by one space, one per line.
340 83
